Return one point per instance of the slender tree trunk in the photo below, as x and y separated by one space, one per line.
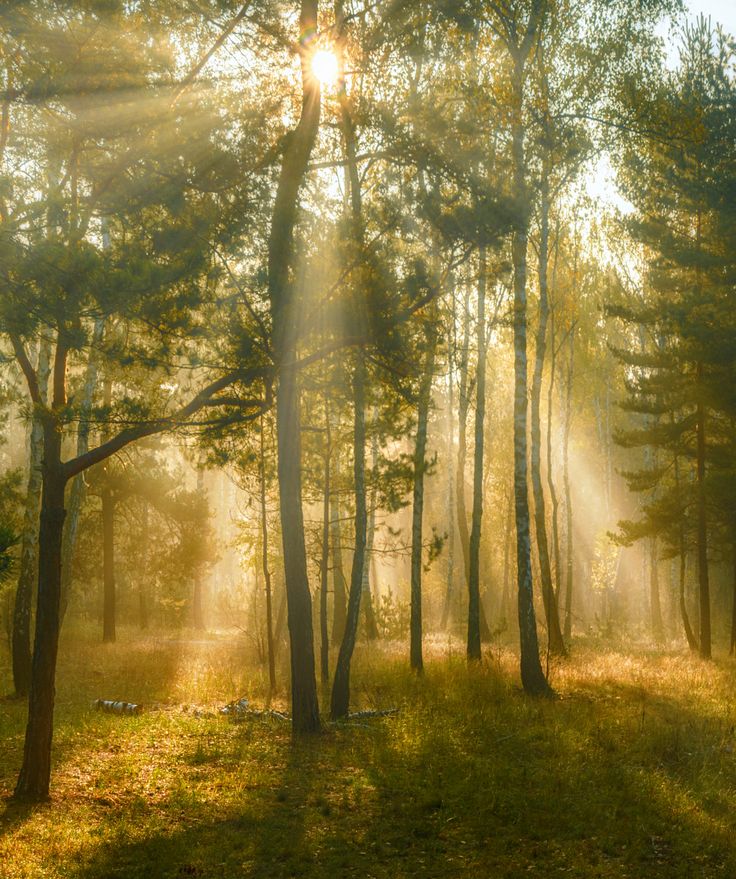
371 626
108 537
417 512
325 559
28 574
450 577
473 645
339 605
569 559
654 598
463 406
77 492
198 585
143 571
266 568
298 148
550 478
554 633
35 774
507 538
703 576
340 701
532 676
692 641
108 565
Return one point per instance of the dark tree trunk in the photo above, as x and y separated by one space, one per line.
108 564
450 576
28 574
339 604
554 633
703 575
325 559
473 645
417 512
371 626
463 406
340 700
532 676
77 492
569 559
108 536
33 781
266 568
298 148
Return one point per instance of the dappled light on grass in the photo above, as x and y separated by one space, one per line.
636 757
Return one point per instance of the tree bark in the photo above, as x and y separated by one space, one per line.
340 700
325 558
35 774
298 148
450 576
108 537
371 626
420 450
554 633
703 575
266 568
569 560
473 644
28 573
532 676
77 492
339 604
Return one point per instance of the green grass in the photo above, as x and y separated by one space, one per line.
630 773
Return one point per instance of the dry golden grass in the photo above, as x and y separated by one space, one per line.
631 772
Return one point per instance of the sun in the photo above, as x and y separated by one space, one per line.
325 66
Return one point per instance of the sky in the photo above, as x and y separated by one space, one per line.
721 11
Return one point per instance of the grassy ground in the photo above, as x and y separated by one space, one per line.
630 773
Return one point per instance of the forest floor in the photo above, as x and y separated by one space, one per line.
631 772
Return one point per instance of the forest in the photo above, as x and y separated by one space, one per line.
367 438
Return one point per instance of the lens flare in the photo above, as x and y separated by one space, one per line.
325 66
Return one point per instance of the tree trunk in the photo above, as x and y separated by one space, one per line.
532 676
371 627
417 512
654 599
108 565
339 604
554 633
33 781
108 536
143 571
198 585
325 558
569 560
732 647
27 576
340 700
450 578
298 148
473 644
77 492
266 568
703 575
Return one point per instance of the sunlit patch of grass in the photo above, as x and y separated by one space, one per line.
630 772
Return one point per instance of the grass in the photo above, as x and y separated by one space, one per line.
630 773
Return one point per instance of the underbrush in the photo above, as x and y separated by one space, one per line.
630 772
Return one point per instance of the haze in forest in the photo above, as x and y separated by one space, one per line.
367 438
